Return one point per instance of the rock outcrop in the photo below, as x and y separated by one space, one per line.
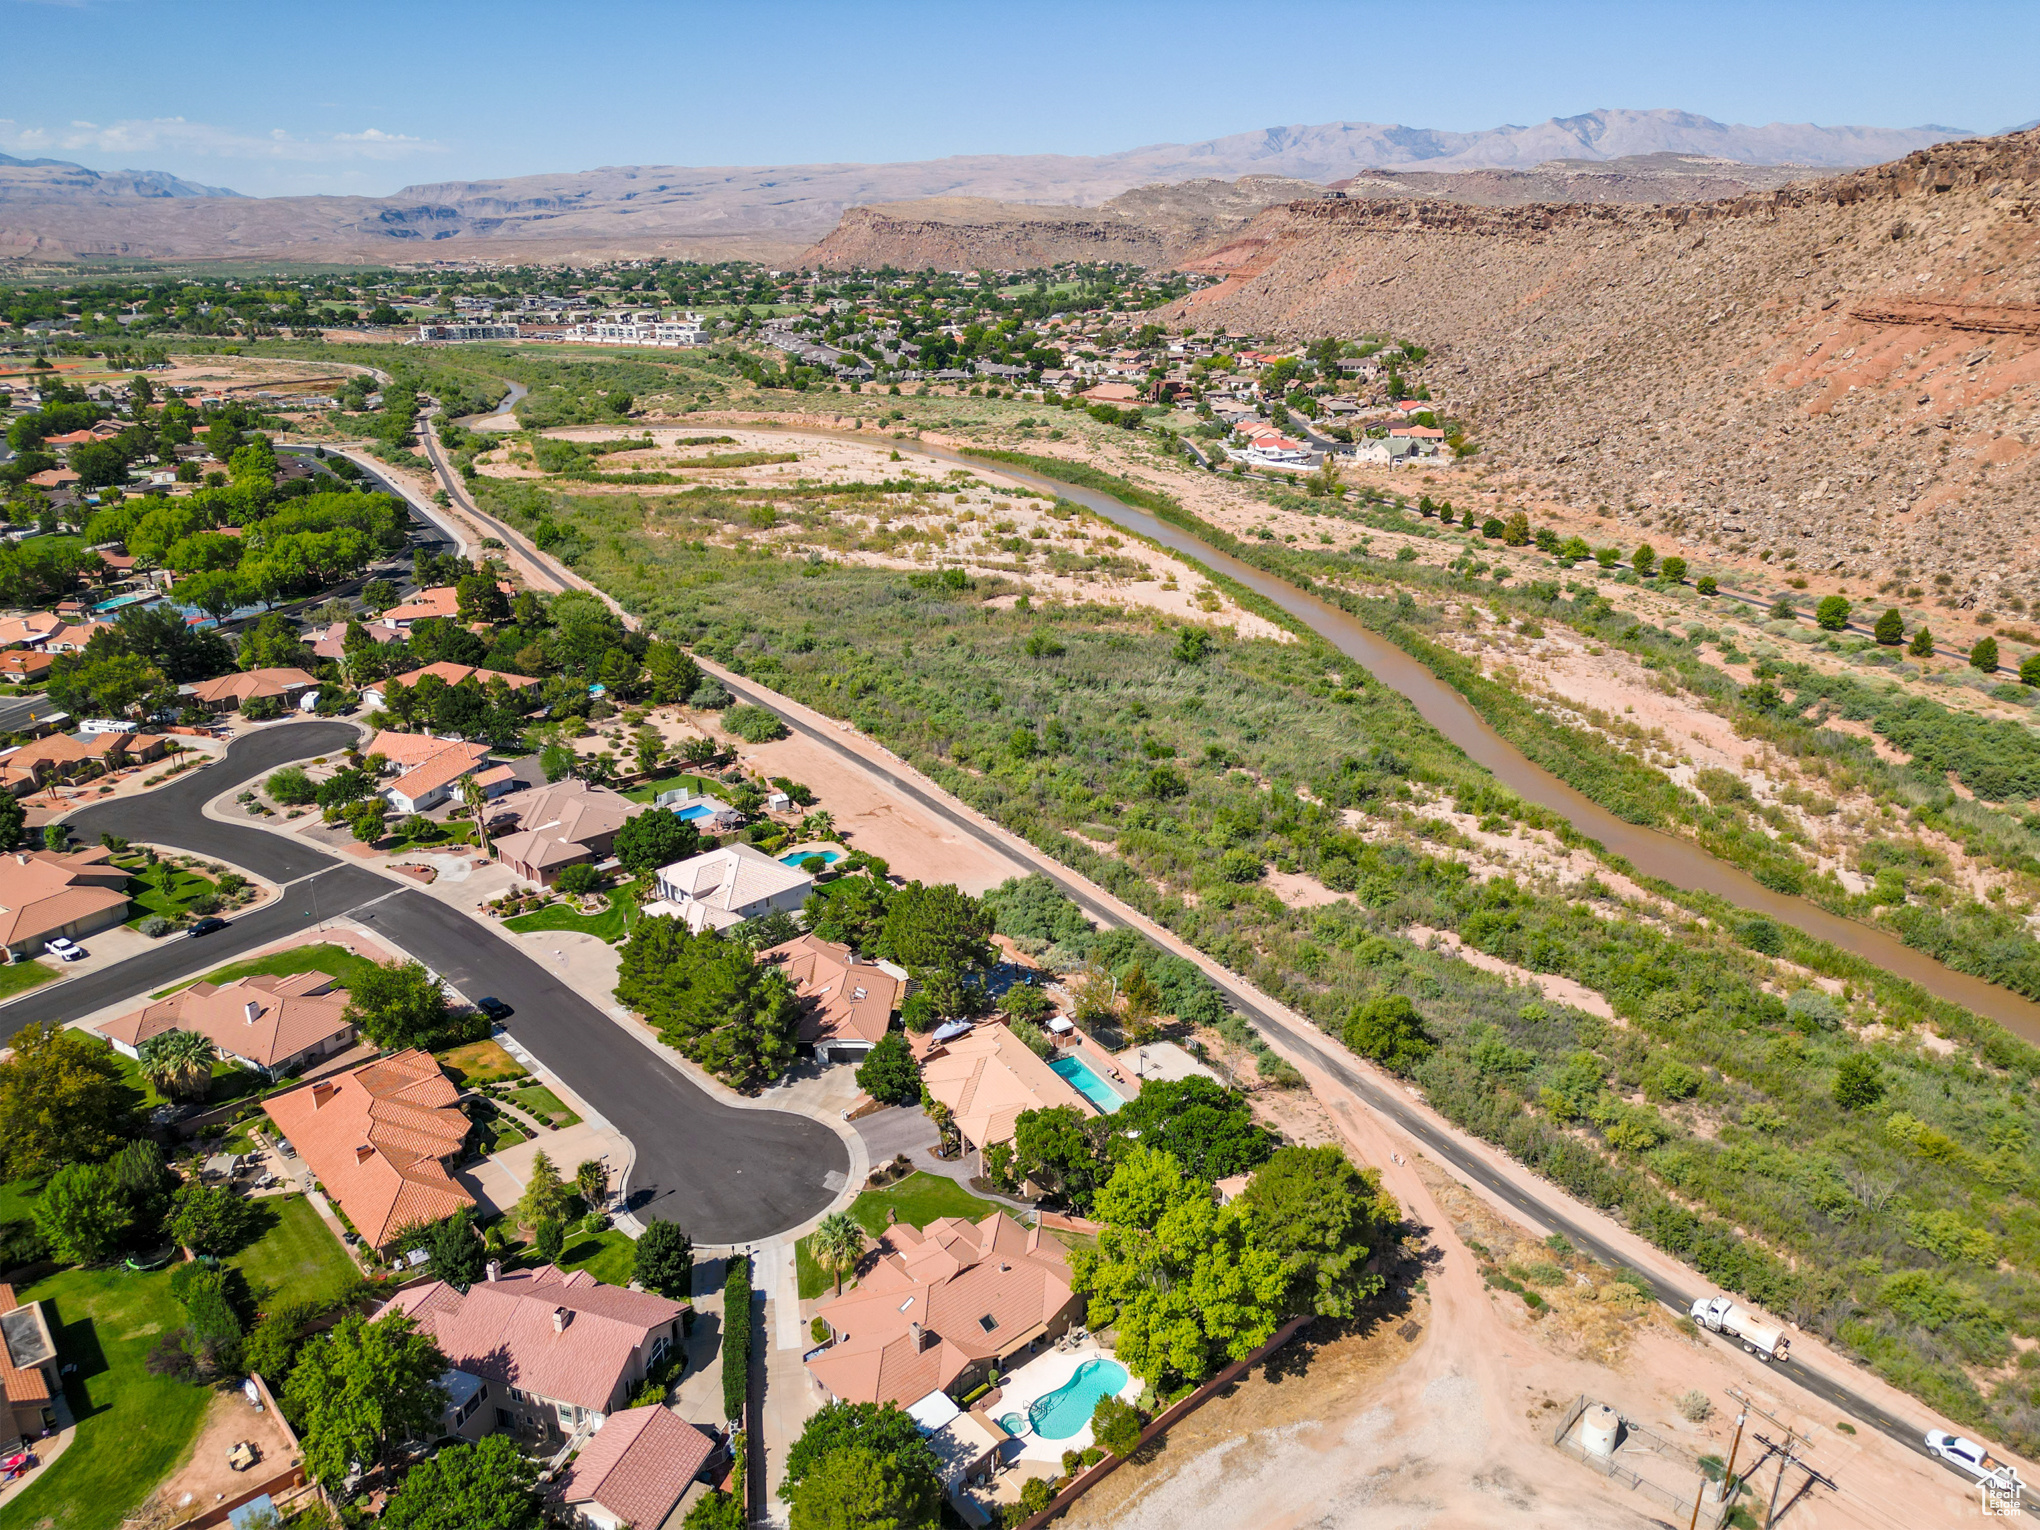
1841 370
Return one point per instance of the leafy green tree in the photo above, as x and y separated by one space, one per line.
1115 1425
1643 560
1984 655
457 1253
717 1510
591 1183
1832 614
62 1100
487 1486
273 643
1890 628
1182 1279
662 1259
397 1004
1673 569
1209 1130
210 1219
361 1391
850 911
889 1073
549 1239
2029 674
1922 644
1388 1029
1063 1151
860 1489
942 936
368 821
110 685
578 881
710 1000
1324 1218
13 818
1859 1082
545 1194
82 1213
557 761
291 787
836 1244
882 1430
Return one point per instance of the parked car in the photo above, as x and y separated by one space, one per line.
494 1008
1968 1456
69 950
207 925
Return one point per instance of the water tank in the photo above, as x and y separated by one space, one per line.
1600 1427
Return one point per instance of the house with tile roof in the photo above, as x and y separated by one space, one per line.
441 601
636 1470
273 1025
383 1140
568 823
68 756
845 1005
943 1306
453 674
725 887
331 640
29 631
18 666
988 1078
429 770
228 692
48 893
28 1369
557 1351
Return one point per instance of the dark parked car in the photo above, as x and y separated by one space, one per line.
495 1009
207 925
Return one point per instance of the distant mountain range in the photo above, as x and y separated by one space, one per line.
52 209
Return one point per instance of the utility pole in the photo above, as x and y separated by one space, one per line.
1727 1475
1786 1458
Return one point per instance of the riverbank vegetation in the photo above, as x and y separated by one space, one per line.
1805 1129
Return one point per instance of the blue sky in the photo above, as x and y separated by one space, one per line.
367 97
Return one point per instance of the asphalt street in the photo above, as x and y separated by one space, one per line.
727 1175
1550 1213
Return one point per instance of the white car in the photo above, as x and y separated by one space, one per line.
69 950
1968 1456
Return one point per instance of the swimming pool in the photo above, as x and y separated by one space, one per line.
1067 1410
696 812
800 858
1080 1076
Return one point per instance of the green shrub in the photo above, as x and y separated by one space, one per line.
754 725
736 1343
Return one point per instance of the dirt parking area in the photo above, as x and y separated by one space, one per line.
205 1478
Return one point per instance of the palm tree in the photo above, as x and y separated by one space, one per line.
178 1063
837 1243
818 825
476 801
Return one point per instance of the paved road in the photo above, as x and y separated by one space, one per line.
1550 1211
727 1175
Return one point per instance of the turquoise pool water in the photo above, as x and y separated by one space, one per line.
697 812
801 857
1067 1410
1080 1077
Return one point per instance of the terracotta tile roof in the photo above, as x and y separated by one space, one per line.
939 1300
375 1136
42 891
251 683
454 674
264 1019
989 1077
842 999
565 1336
429 764
26 1345
440 600
331 643
25 662
32 628
638 1465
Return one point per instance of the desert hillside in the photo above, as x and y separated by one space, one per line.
1148 226
1841 371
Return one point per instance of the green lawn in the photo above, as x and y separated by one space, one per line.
166 890
498 1131
921 1199
297 1258
650 790
336 962
479 1062
537 1100
605 926
16 1204
132 1427
813 1280
19 977
606 1255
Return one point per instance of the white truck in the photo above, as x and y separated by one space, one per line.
1766 1341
